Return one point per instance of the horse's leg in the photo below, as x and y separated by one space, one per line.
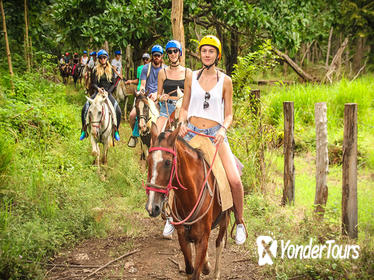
125 109
201 248
104 159
186 250
220 244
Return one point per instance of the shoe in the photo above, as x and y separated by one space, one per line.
83 135
132 142
241 234
116 136
169 228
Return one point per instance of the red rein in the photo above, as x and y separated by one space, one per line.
174 169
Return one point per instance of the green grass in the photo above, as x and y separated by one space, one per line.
51 195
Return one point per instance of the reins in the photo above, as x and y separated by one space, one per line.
174 173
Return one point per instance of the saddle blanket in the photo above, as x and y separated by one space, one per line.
208 149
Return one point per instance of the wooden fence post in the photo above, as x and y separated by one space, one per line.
254 101
288 151
322 158
349 192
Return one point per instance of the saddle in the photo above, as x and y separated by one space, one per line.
208 149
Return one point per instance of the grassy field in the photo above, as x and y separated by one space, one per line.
51 196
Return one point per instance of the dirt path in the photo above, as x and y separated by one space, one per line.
157 258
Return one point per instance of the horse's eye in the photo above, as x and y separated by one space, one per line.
167 163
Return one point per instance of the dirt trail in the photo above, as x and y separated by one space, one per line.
157 258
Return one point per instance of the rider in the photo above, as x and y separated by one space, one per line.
148 84
207 106
102 79
75 62
67 58
92 62
145 57
169 80
84 58
117 64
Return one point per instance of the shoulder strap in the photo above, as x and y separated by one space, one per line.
149 69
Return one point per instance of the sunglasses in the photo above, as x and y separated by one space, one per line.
156 55
172 51
206 103
101 57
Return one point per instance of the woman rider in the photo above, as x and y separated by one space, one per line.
207 106
102 79
169 79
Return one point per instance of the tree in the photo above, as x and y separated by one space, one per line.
7 43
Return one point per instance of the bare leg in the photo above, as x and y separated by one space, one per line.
132 118
234 180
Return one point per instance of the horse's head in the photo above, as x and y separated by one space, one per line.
142 112
161 169
96 113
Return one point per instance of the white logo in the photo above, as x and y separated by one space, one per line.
267 248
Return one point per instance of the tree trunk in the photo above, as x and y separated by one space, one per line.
359 54
329 47
305 76
27 48
7 45
177 26
230 47
285 66
336 62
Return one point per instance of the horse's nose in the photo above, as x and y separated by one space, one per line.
154 211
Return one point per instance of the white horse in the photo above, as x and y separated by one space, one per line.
100 125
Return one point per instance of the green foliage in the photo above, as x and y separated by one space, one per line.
52 192
260 60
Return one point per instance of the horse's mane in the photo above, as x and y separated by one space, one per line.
198 152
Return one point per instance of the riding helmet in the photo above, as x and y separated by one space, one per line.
174 44
157 48
102 53
146 56
117 52
84 52
213 41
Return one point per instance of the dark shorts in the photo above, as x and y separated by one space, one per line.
209 131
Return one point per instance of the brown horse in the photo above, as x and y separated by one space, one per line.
171 161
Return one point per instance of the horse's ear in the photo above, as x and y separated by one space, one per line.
89 99
173 137
154 133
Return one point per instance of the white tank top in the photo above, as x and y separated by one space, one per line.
84 60
215 111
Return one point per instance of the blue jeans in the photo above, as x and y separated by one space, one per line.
209 131
171 108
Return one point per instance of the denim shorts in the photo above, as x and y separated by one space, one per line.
209 131
171 108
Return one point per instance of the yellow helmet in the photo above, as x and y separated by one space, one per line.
211 41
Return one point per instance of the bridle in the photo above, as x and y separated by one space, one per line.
174 174
144 116
97 124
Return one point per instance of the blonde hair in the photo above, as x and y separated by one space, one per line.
100 70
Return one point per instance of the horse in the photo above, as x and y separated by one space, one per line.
65 71
100 125
87 71
77 73
122 94
146 113
196 206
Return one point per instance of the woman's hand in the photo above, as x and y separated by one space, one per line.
220 136
164 97
183 129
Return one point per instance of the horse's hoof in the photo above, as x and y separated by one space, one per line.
206 268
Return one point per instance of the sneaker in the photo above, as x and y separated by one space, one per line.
169 228
116 136
132 142
83 135
241 235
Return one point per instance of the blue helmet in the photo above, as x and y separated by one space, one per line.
174 44
117 52
157 48
84 52
92 53
102 53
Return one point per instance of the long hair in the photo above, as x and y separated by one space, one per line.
100 70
